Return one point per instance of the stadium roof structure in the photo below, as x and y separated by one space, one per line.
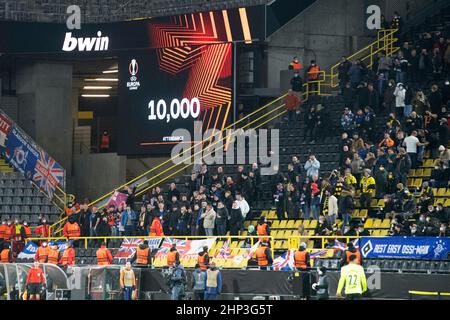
99 11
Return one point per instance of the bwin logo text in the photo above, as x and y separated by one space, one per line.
85 44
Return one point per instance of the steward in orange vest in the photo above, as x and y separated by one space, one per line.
295 65
3 228
173 256
350 250
68 257
42 253
142 256
301 258
26 231
156 229
313 71
9 231
71 230
264 256
203 259
53 255
6 255
263 229
104 256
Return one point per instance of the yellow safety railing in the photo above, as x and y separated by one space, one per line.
294 241
385 42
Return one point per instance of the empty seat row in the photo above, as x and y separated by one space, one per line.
29 210
396 265
24 200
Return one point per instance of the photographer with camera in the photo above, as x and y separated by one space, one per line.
177 281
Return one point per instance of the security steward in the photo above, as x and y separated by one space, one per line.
173 256
42 253
203 259
6 254
104 256
142 258
53 254
68 257
301 258
264 256
351 250
263 230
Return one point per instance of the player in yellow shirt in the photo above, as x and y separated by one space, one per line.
354 279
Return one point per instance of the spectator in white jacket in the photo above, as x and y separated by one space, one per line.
312 166
332 207
399 93
209 217
243 205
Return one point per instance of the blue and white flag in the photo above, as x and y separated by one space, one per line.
29 252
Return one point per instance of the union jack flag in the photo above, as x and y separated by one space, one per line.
182 245
284 262
48 173
343 246
128 248
317 254
224 252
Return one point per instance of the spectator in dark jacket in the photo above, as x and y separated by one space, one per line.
221 219
310 124
236 219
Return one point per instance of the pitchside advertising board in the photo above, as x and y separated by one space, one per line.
166 89
240 24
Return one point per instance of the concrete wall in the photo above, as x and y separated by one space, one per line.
44 92
327 30
97 174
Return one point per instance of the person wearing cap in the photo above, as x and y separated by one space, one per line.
301 258
264 256
367 185
177 281
322 285
142 258
444 155
443 131
354 280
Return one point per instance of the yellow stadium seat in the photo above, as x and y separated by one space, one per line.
288 233
312 224
295 233
376 223
380 203
375 233
298 223
283 224
234 252
310 244
427 172
373 203
386 224
411 173
368 224
306 223
290 224
417 182
233 244
435 190
363 213
244 233
275 224
441 192
447 193
285 245
329 254
272 214
383 233
429 163
310 232
447 203
228 264
265 213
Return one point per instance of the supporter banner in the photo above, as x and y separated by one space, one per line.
405 247
61 245
128 247
29 252
286 260
117 198
31 160
5 129
48 173
21 154
187 249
